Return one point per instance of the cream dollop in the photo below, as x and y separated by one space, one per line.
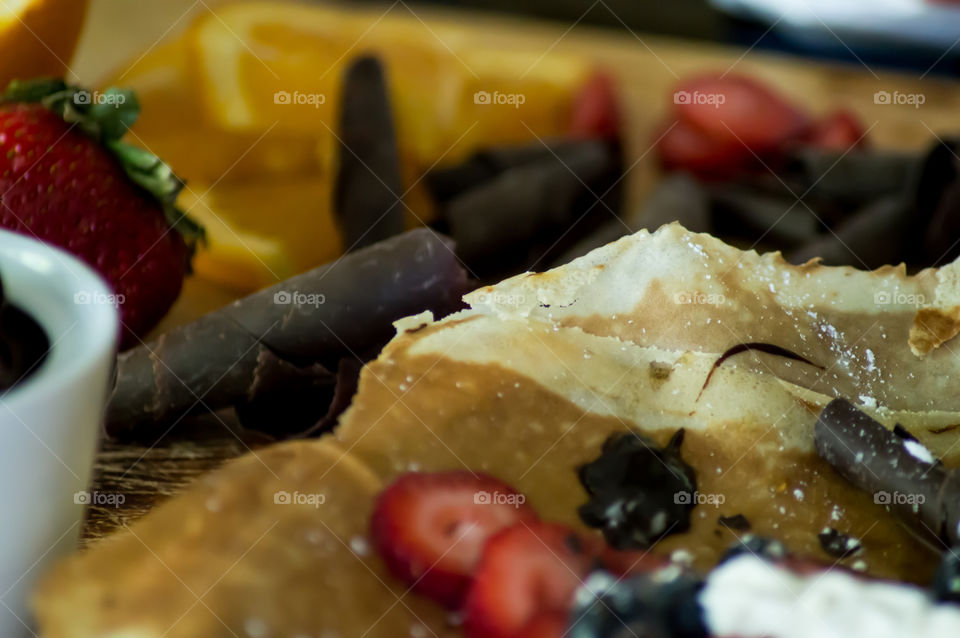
750 597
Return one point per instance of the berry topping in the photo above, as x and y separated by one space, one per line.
657 605
527 571
639 492
430 528
69 180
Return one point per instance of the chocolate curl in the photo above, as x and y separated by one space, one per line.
852 179
743 212
937 202
870 239
893 466
486 164
514 206
368 186
678 197
285 338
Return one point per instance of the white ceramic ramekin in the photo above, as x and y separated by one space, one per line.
50 423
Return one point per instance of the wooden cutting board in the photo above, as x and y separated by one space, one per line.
648 67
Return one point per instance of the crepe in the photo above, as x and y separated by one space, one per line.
526 385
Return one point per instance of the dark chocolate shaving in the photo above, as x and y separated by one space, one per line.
639 492
899 472
512 207
286 338
767 348
837 544
737 522
772 550
677 198
870 238
367 199
937 202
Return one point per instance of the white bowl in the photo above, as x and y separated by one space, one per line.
50 422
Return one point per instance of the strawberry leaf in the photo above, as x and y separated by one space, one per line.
106 117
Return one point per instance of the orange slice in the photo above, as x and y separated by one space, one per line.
38 37
250 244
248 100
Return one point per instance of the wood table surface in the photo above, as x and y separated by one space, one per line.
648 67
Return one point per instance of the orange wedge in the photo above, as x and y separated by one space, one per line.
280 64
260 232
173 124
38 37
245 106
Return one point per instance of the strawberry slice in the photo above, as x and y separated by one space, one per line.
430 528
837 131
683 147
526 571
595 110
738 109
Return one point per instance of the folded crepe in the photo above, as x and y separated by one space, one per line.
526 385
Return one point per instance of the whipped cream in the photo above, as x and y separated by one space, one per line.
750 597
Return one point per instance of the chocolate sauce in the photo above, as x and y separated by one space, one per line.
23 345
639 492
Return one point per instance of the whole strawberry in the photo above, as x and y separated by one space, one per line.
67 179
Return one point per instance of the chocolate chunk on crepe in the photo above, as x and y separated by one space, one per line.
527 385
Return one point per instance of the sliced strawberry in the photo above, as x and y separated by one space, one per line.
595 110
738 109
683 147
837 131
526 571
430 528
548 625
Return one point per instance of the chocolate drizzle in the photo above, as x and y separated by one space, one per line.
639 492
901 474
767 348
23 344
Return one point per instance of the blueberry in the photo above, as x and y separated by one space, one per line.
661 604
